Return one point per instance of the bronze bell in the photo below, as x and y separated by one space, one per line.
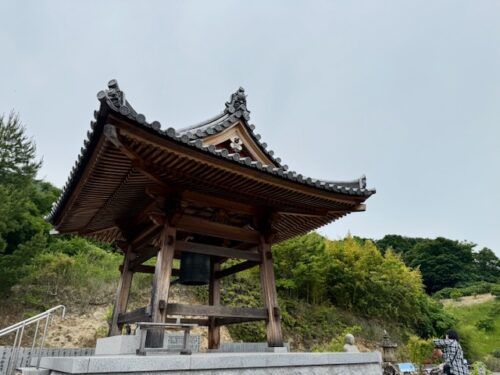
195 269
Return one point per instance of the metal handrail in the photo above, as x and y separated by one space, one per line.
19 329
33 319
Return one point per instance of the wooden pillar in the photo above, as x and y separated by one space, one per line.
213 300
122 294
273 328
161 284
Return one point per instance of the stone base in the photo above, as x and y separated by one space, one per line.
277 349
34 371
128 344
117 345
220 363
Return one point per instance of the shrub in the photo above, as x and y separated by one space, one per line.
419 350
473 289
492 362
486 325
495 290
479 368
87 277
456 294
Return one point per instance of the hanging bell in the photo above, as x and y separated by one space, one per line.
195 269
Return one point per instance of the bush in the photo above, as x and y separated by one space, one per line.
492 362
87 277
479 368
495 290
419 350
473 289
486 325
456 294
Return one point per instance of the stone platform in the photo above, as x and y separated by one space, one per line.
220 363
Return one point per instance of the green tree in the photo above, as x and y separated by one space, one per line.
299 267
17 152
399 244
23 202
443 262
487 265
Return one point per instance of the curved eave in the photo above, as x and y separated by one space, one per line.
122 109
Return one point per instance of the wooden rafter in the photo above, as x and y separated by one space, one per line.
208 159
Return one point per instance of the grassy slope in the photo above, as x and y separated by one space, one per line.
480 342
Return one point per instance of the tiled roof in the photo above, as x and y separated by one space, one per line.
236 110
113 100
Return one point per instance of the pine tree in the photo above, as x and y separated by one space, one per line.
17 152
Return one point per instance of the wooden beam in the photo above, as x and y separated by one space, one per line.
197 225
358 208
316 213
145 237
95 232
212 201
156 205
273 326
161 284
216 311
226 252
122 294
138 315
213 300
228 321
144 255
141 268
301 214
235 269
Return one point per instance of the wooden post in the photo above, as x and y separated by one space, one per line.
273 328
161 285
213 300
122 294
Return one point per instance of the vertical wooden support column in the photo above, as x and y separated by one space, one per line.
273 328
213 300
161 285
122 294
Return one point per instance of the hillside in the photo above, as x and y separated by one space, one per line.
478 322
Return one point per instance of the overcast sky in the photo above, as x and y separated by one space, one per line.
406 92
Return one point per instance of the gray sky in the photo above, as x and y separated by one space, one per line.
406 92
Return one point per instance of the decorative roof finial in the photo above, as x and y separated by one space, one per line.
115 95
237 104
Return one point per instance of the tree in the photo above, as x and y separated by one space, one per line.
299 267
23 202
17 152
487 265
399 244
443 262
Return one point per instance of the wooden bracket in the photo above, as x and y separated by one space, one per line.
111 135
